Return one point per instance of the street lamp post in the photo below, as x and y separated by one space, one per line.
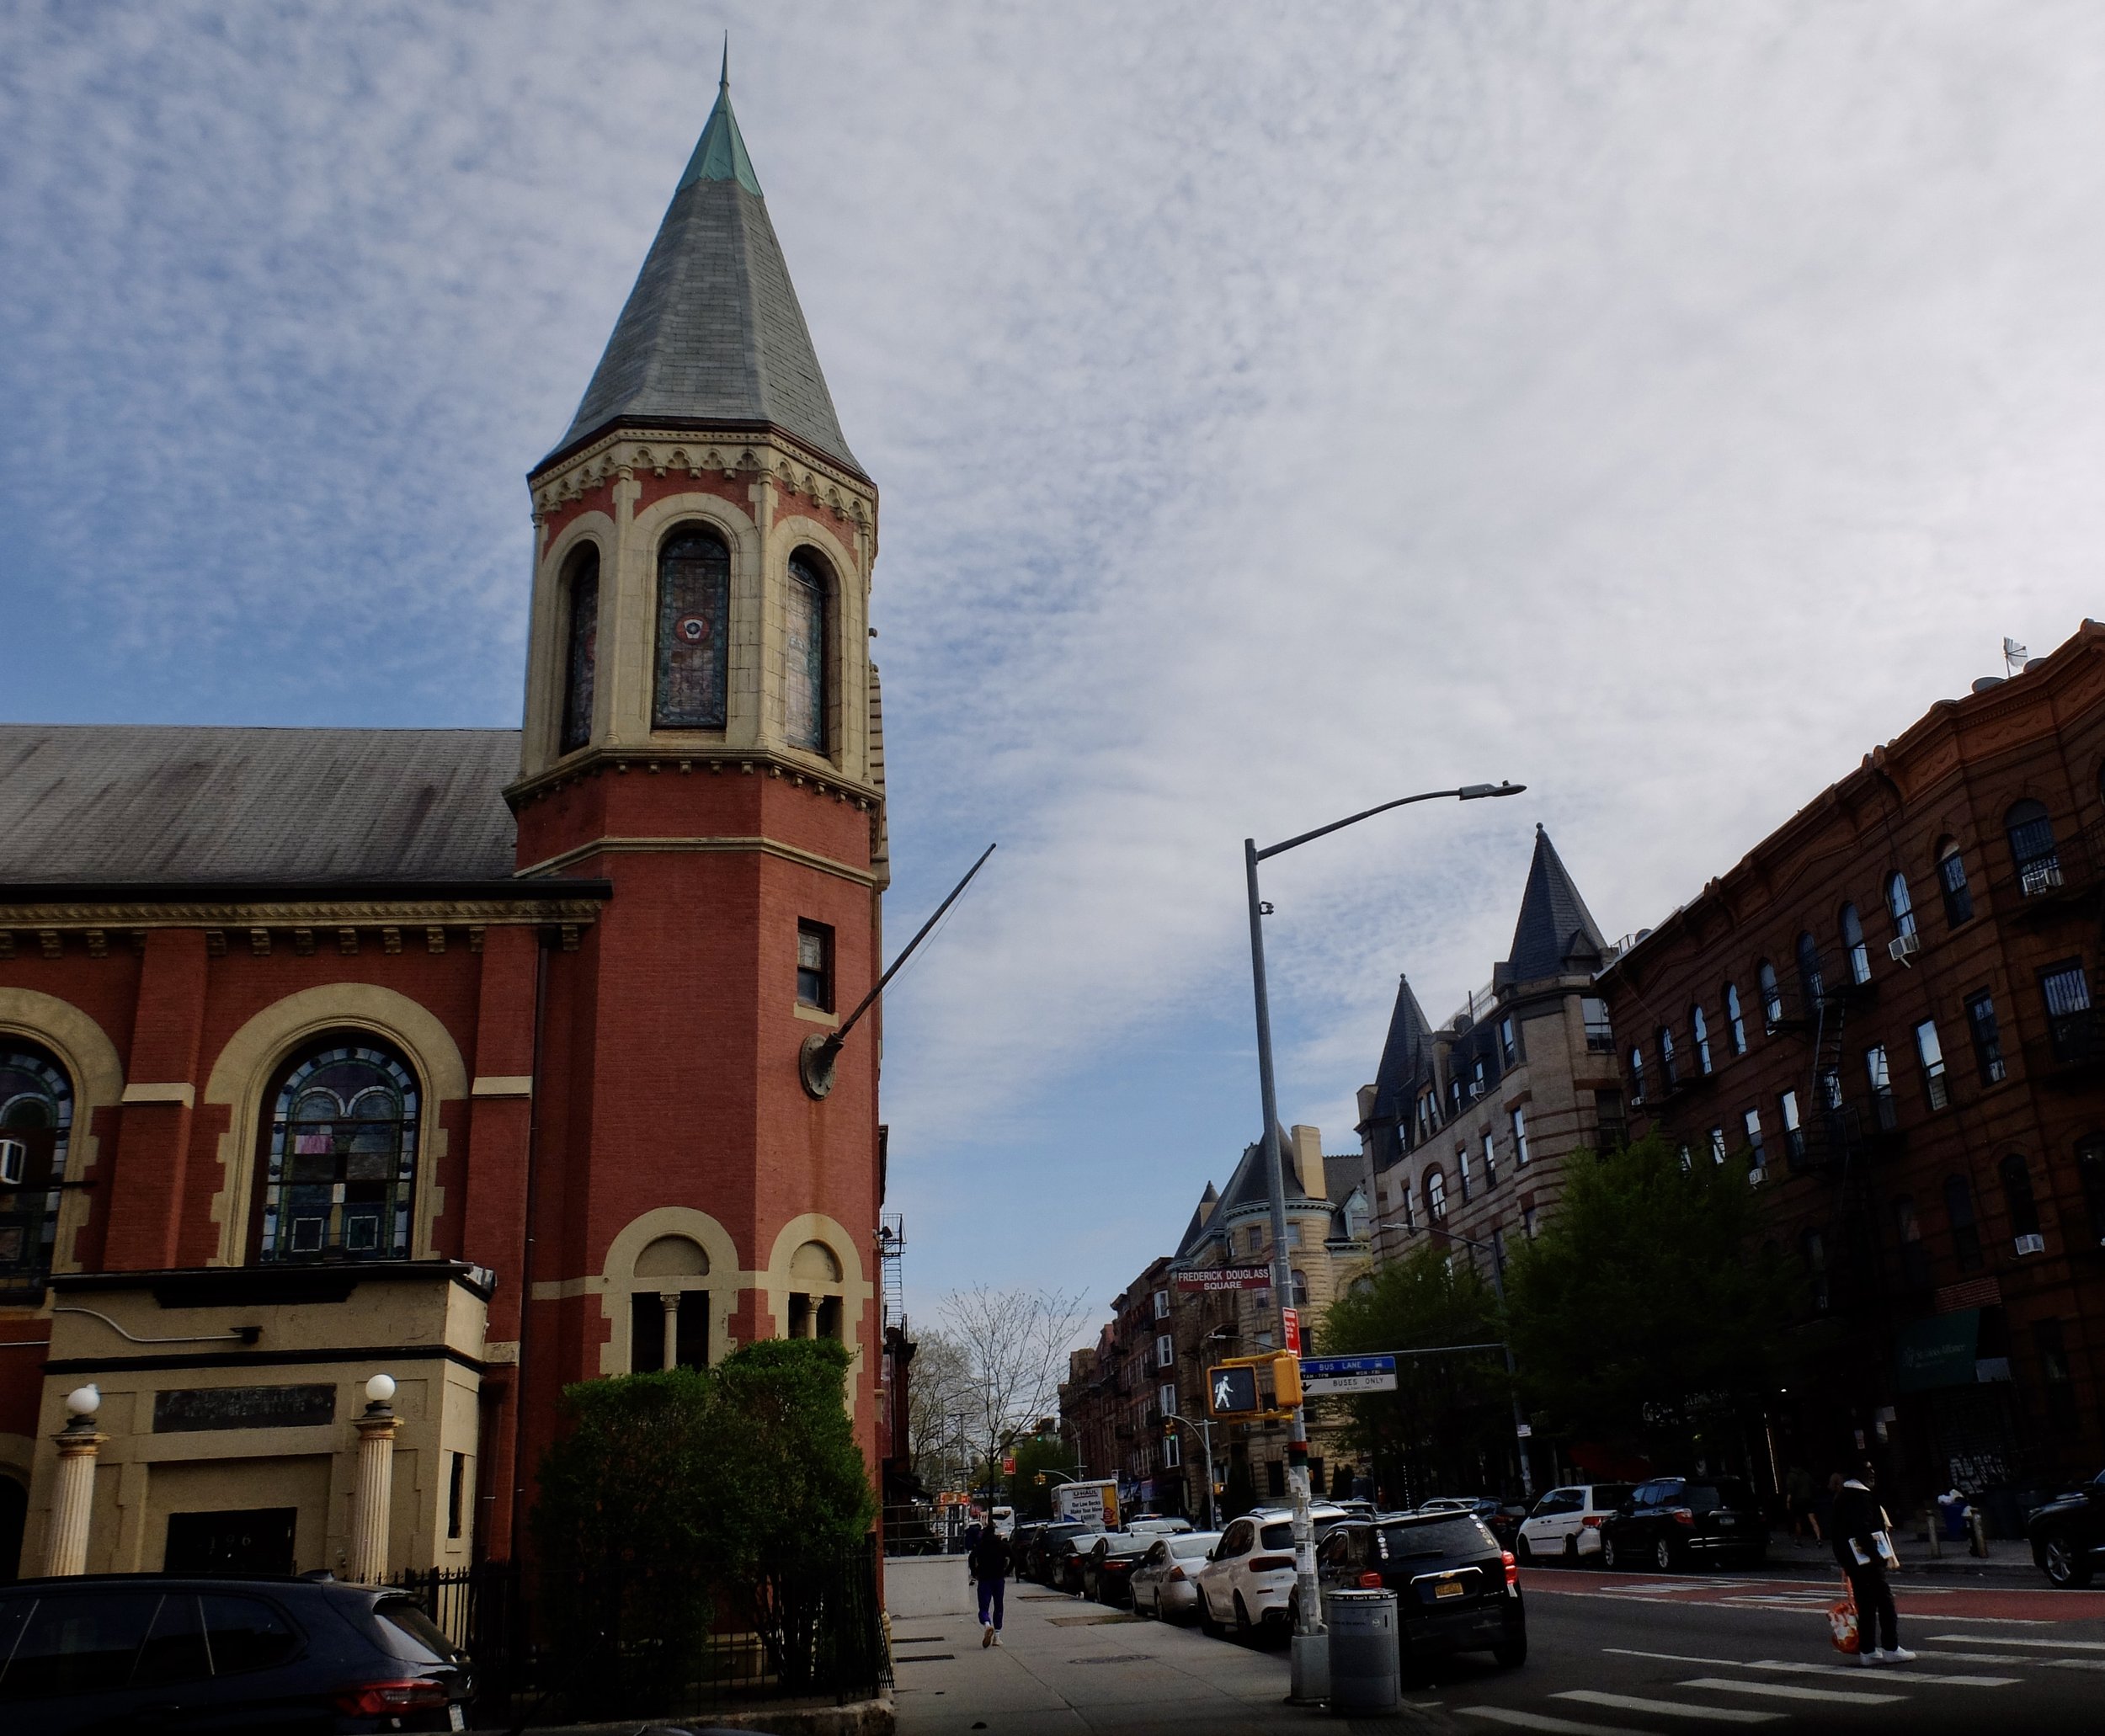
1205 1427
1308 1618
1498 1287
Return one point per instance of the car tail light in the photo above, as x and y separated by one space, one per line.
376 1699
1266 1563
1681 1515
1176 1573
1370 1581
1512 1567
1592 1521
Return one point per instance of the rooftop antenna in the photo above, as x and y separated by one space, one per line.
2013 657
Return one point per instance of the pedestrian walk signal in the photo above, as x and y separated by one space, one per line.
1231 1391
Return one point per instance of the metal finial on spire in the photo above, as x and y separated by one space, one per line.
724 78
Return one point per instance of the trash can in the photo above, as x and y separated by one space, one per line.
1366 1665
1951 1509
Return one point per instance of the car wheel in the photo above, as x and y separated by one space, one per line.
2064 1564
1663 1556
1607 1552
1511 1652
1243 1631
1524 1552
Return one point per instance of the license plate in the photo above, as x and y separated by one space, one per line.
1448 1588
1726 1519
455 1720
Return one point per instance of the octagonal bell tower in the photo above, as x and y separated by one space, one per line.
702 731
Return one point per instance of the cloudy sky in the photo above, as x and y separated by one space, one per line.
1277 408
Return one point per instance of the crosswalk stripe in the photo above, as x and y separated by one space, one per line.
1669 1708
2044 1645
1791 1691
1542 1721
1957 1681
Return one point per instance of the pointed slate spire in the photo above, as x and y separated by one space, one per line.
1556 934
712 334
1406 1058
1196 1227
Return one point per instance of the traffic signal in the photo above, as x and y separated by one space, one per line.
1286 1382
1168 1427
1038 1477
1231 1390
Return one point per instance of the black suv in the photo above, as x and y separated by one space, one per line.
120 1652
1669 1522
1457 1590
2067 1534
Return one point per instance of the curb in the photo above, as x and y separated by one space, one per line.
858 1717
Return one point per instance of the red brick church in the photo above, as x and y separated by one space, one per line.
470 1058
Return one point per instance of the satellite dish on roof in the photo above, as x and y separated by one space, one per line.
1987 682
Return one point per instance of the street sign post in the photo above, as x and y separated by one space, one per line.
1328 1377
1290 1318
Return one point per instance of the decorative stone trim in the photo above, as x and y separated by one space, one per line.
503 1084
707 846
814 775
347 916
185 1095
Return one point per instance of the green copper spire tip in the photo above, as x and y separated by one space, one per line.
720 155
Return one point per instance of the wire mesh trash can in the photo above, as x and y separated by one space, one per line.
1366 1665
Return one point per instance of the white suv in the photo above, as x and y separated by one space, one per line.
1566 1524
1248 1577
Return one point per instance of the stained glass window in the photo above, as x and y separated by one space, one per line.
582 657
341 1166
804 653
37 1118
694 630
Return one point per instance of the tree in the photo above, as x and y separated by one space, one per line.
1643 1317
937 1393
1448 1424
1015 1343
1041 1453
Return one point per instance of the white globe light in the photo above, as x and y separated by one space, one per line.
380 1388
83 1401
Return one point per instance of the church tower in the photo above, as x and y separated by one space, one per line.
702 734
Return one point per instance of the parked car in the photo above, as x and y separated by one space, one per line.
1005 1521
1456 1590
1671 1521
1503 1518
124 1651
1566 1524
1065 1557
1038 1565
1020 1546
2067 1534
1163 1583
1107 1569
1248 1576
1157 1523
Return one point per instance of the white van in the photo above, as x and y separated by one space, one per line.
1005 1521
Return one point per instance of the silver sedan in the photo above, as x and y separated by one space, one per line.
1162 1584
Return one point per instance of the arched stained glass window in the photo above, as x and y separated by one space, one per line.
36 1121
581 648
804 639
1853 936
340 1158
694 630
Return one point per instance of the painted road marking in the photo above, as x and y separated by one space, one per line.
1791 1691
1668 1708
1542 1721
1799 1669
2045 1645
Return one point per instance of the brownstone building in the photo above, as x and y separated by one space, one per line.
1889 1002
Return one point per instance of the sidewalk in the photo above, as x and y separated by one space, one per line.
1075 1668
2007 1557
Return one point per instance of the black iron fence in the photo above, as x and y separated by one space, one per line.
809 1627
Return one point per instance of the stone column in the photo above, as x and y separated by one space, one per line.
375 1494
73 1501
668 1300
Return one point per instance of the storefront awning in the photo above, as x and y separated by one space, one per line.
1940 1351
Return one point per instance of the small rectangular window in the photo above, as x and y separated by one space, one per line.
1752 1121
1528 1223
1519 1139
1931 1054
1462 1165
1980 1017
1165 1351
1600 1034
1490 1161
1172 1453
1716 1145
456 1491
1951 879
1793 1134
1166 1397
815 965
1162 1305
1508 1051
2066 991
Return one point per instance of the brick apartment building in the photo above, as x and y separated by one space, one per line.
1149 1362
1890 1003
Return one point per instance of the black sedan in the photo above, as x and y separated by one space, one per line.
126 1651
1038 1556
2067 1534
1672 1522
1457 1590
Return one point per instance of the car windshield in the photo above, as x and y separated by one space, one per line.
1191 1543
410 1633
1279 1535
1728 1493
1455 1536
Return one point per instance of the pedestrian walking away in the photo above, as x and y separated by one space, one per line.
991 1559
1863 1544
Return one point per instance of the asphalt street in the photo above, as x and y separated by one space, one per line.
1608 1652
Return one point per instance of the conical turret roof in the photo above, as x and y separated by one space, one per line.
1556 934
713 334
1406 1057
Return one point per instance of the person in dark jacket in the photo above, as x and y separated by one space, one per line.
990 1563
1863 1544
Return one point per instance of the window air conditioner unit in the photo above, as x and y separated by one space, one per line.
2035 1243
1904 948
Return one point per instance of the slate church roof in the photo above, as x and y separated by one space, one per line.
125 804
712 332
1556 934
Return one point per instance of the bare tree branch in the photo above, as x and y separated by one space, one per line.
1015 1344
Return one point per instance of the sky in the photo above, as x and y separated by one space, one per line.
1276 409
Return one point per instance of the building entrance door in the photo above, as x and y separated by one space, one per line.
249 1540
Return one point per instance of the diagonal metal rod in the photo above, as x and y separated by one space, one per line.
831 1047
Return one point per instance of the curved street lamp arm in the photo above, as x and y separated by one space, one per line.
1467 792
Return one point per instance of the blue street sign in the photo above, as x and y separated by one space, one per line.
1323 1367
